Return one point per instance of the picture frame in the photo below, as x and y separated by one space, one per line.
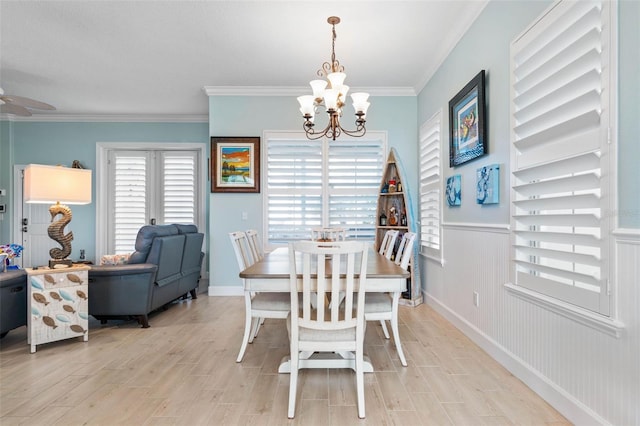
488 184
453 190
235 164
467 122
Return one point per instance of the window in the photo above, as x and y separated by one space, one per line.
321 183
430 198
561 107
143 186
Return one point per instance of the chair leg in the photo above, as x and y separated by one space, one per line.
394 329
247 327
260 323
255 325
384 329
360 383
293 383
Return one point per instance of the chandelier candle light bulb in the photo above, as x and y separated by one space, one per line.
332 95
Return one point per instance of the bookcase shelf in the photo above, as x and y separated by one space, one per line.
394 200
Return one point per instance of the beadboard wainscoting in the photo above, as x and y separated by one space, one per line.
590 376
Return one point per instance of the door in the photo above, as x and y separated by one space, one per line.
30 226
151 186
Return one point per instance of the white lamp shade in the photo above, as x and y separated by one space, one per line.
52 184
318 87
331 99
359 101
306 104
336 79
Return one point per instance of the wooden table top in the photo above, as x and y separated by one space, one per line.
275 265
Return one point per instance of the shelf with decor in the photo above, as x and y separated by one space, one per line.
394 213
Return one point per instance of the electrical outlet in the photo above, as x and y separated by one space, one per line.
476 299
3 192
245 216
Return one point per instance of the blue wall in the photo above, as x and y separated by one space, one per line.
61 143
629 113
250 116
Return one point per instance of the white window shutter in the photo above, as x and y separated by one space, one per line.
321 183
130 190
430 183
151 184
560 123
354 174
179 173
294 188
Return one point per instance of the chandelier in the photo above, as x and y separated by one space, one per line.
332 95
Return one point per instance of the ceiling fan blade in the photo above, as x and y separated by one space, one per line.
26 102
15 110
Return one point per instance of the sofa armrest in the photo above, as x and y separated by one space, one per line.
121 290
128 269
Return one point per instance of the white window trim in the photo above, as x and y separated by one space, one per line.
608 325
102 149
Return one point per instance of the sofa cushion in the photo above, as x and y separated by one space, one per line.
186 229
144 240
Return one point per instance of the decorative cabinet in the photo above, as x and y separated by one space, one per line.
394 212
58 304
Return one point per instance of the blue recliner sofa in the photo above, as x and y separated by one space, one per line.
165 266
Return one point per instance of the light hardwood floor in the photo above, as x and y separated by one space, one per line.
182 370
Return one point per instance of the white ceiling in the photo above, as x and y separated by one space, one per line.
154 58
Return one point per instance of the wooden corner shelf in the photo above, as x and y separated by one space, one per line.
398 199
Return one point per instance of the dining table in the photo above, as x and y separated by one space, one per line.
271 274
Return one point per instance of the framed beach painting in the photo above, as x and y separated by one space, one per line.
235 164
467 123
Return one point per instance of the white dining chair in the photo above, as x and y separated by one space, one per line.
259 305
254 244
328 234
337 327
383 306
388 243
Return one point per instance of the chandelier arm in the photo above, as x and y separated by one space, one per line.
313 135
360 131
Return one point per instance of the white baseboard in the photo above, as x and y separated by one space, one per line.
226 290
558 398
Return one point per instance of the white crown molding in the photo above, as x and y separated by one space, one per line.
437 63
106 118
297 91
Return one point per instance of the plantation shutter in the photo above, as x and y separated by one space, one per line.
430 182
130 179
179 173
321 183
560 125
154 186
294 184
354 174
